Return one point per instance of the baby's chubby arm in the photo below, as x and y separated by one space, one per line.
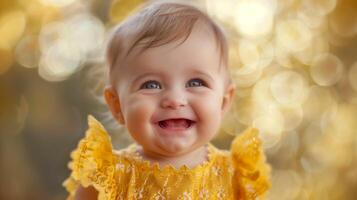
88 193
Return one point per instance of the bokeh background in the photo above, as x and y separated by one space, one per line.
294 63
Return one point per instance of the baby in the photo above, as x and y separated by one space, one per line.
170 87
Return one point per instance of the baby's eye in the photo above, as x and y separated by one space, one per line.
195 83
150 85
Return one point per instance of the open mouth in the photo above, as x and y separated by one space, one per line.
176 124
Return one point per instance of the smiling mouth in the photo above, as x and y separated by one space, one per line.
176 124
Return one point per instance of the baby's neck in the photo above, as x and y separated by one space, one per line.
190 159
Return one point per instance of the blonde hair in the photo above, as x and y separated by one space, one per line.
158 24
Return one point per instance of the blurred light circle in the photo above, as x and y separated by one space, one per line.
293 35
27 51
290 181
318 45
283 57
49 34
230 125
288 88
293 116
267 55
249 53
12 26
326 69
223 10
88 35
319 98
319 7
58 3
246 76
59 62
310 18
245 110
329 116
270 125
284 5
254 18
262 94
7 59
312 134
346 92
352 76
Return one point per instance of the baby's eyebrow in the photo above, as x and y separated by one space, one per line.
143 76
195 71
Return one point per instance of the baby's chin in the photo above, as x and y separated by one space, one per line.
175 147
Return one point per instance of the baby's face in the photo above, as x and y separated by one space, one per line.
172 97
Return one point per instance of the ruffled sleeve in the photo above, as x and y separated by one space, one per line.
251 172
93 163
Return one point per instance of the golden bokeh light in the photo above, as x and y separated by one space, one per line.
254 18
27 51
222 10
288 179
283 57
58 3
262 93
319 7
246 76
60 61
346 92
12 26
310 19
271 125
249 53
293 116
319 45
318 99
326 69
293 35
245 110
288 88
89 36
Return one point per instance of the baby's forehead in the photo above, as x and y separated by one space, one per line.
161 24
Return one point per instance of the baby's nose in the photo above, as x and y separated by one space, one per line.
173 100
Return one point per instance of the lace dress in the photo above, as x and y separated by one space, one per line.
240 173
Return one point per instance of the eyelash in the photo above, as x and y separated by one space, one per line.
145 85
201 83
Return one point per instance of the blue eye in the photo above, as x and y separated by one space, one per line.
195 83
150 85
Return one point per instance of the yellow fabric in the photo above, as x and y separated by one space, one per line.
241 173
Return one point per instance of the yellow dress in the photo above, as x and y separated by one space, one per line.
241 173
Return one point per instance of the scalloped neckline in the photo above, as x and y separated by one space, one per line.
133 151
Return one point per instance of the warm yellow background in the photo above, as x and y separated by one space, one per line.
294 63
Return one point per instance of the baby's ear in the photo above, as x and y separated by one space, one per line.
112 99
228 97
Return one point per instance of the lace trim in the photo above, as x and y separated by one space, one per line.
132 153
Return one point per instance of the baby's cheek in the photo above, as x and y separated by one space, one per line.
139 112
209 113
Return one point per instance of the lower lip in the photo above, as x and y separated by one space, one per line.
173 131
